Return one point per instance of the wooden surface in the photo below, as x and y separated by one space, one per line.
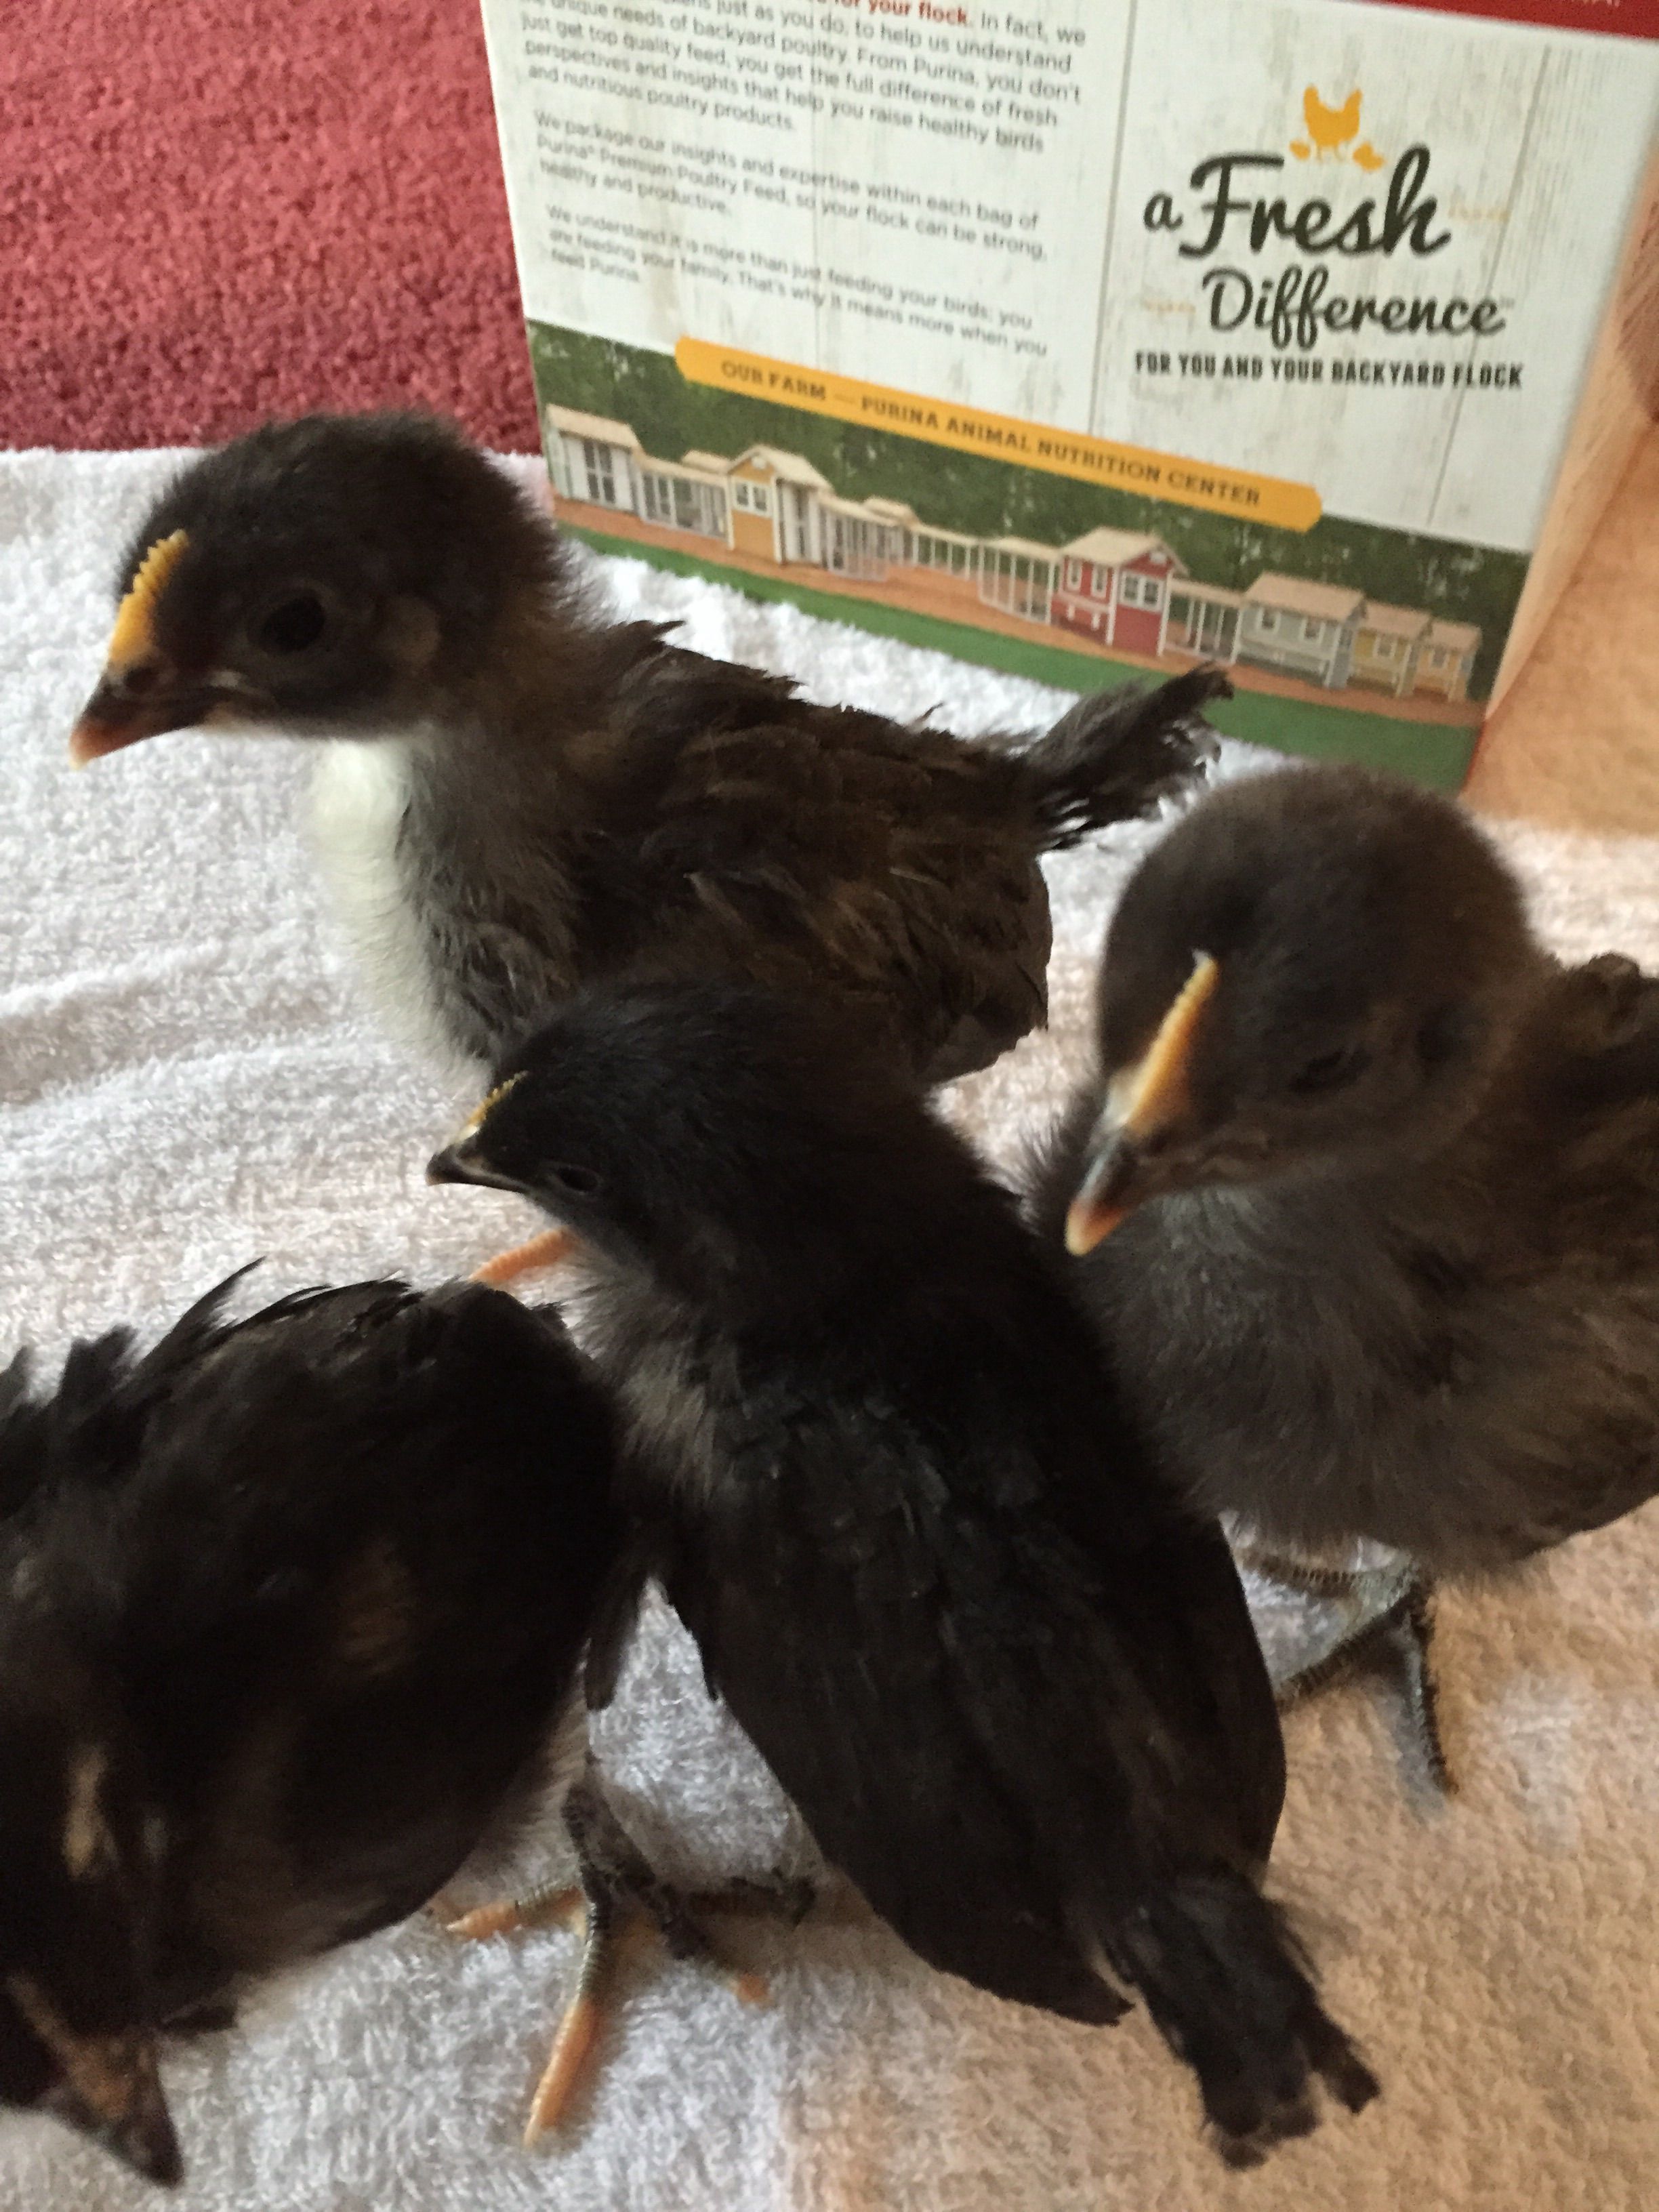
1576 743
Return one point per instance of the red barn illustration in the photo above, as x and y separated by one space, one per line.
1114 586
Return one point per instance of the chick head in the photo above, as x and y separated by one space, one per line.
337 576
736 1146
1315 963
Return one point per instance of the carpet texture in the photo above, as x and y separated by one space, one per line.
215 210
188 1077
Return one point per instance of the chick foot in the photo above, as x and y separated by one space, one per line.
1389 1616
544 1251
618 1894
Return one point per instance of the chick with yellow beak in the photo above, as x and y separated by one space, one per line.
1141 1102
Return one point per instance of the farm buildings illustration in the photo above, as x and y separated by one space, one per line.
1124 590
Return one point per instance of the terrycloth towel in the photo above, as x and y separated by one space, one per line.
188 1077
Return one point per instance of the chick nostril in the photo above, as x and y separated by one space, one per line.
137 681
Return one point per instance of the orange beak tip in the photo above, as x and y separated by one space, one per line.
91 740
1088 1224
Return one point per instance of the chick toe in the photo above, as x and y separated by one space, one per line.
1389 1615
558 1906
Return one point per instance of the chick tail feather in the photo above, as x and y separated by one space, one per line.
1118 754
1223 1980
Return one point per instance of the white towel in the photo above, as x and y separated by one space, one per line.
188 1077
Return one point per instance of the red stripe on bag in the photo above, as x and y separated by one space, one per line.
1618 19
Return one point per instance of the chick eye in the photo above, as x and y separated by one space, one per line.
293 624
581 1183
1329 1071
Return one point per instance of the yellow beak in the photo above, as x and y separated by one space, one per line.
1140 1100
136 695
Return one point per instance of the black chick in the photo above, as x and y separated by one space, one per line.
877 1465
288 1607
538 797
1390 1264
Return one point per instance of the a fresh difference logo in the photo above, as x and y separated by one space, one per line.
1233 217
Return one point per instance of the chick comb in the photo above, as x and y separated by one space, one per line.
134 634
475 1120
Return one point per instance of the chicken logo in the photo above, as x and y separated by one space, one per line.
1331 129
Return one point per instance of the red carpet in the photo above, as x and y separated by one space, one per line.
215 210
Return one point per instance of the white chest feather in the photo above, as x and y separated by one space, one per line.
359 795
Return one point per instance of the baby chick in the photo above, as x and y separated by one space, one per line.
524 797
288 1607
1368 1186
877 1465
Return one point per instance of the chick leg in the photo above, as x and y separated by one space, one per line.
544 1251
1408 1631
1389 1614
618 1893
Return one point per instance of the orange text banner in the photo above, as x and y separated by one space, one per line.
1237 492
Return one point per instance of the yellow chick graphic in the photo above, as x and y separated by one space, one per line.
1329 128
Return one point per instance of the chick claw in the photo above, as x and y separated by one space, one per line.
619 1896
1393 1615
544 1251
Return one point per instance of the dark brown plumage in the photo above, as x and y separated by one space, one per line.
879 1470
1390 1264
288 1608
543 799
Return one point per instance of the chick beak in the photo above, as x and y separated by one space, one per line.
1142 1103
105 2085
1106 1194
139 694
464 1162
141 699
113 2093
